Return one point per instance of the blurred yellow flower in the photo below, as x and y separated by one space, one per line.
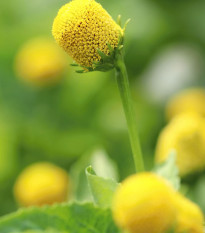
144 203
185 134
189 216
41 183
40 62
83 26
190 100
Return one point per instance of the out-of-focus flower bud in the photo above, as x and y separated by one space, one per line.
41 183
40 62
189 216
187 101
144 203
185 134
83 26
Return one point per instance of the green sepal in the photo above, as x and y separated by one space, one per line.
80 71
74 64
110 48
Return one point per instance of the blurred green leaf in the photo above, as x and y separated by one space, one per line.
102 189
101 162
64 218
199 192
169 170
40 231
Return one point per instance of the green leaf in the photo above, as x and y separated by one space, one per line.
102 189
102 164
169 170
39 231
62 218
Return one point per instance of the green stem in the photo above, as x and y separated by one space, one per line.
123 85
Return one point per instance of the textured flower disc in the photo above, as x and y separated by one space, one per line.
83 26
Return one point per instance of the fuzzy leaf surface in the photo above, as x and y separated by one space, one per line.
102 188
61 218
169 170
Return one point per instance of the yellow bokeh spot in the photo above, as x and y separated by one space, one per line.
144 203
41 183
186 135
83 26
40 62
190 100
189 216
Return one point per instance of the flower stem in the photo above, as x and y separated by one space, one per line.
123 86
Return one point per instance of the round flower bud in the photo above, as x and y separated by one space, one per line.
41 183
83 26
40 62
189 216
191 100
144 203
186 135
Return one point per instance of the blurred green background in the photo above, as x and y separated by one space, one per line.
164 52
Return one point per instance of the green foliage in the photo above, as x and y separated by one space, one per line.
101 162
64 218
59 124
102 189
199 191
169 170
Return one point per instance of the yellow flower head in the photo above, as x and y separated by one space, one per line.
186 134
189 216
83 26
40 62
144 203
191 100
41 183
